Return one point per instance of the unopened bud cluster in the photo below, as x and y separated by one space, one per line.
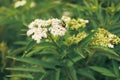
104 38
75 24
77 38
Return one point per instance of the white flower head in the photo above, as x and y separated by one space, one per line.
19 3
55 21
39 23
36 30
57 30
39 34
31 31
33 24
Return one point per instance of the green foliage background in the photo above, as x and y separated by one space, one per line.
102 65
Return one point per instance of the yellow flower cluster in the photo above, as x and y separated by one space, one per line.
77 38
104 38
75 24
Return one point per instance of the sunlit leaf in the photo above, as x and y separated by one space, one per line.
86 73
103 71
104 49
86 39
34 61
26 69
116 68
29 76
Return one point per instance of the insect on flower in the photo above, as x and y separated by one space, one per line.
63 23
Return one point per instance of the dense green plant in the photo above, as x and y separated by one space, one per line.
74 56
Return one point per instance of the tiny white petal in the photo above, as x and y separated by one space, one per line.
57 30
86 21
111 46
65 18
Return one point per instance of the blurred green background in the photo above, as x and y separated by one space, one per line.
14 21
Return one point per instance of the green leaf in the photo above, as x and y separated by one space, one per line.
44 44
29 46
94 23
20 43
34 61
103 71
86 73
57 75
29 76
71 73
80 52
111 56
116 68
74 59
107 52
104 49
84 41
41 77
43 50
88 7
26 69
49 51
17 51
33 52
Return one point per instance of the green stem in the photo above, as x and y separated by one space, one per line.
71 73
54 42
58 74
43 76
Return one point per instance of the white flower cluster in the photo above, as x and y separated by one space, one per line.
56 28
39 28
19 3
